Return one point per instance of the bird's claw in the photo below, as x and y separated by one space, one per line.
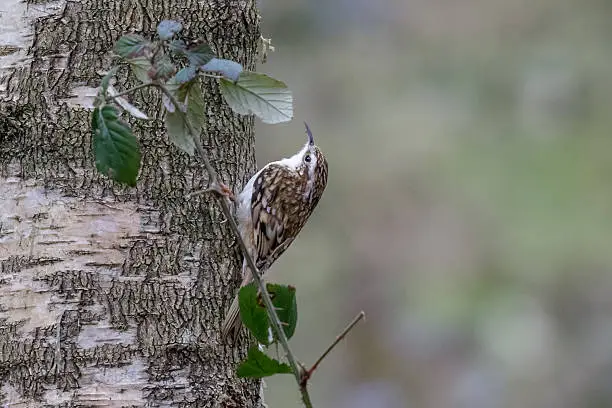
222 190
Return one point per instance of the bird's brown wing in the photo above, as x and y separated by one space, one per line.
276 207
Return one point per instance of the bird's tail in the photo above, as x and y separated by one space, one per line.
231 324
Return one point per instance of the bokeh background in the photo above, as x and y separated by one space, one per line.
469 205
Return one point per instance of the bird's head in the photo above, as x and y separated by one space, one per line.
311 163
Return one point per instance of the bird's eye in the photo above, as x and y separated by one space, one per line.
307 158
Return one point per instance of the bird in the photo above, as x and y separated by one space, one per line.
271 210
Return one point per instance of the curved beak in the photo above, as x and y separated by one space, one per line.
309 133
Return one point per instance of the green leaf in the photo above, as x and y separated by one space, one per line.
163 68
257 93
229 69
258 365
196 107
283 299
141 67
192 109
168 28
131 45
178 132
185 74
178 46
199 54
179 90
106 80
180 93
115 148
252 314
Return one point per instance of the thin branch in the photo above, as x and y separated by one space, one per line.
129 91
308 373
211 75
223 201
196 193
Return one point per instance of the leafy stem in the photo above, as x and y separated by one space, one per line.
223 201
117 154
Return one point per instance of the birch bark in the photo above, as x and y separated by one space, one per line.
113 296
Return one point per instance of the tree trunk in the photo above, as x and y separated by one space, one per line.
113 296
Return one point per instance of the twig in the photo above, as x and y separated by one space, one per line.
308 373
129 91
223 201
212 189
196 193
211 75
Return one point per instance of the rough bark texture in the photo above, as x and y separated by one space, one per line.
114 296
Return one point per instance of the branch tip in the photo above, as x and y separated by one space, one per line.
308 373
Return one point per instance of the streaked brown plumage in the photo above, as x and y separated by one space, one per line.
272 209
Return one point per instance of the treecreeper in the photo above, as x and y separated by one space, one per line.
271 210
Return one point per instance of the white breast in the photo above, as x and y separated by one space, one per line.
244 214
243 210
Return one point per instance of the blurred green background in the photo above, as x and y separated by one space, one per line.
469 204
